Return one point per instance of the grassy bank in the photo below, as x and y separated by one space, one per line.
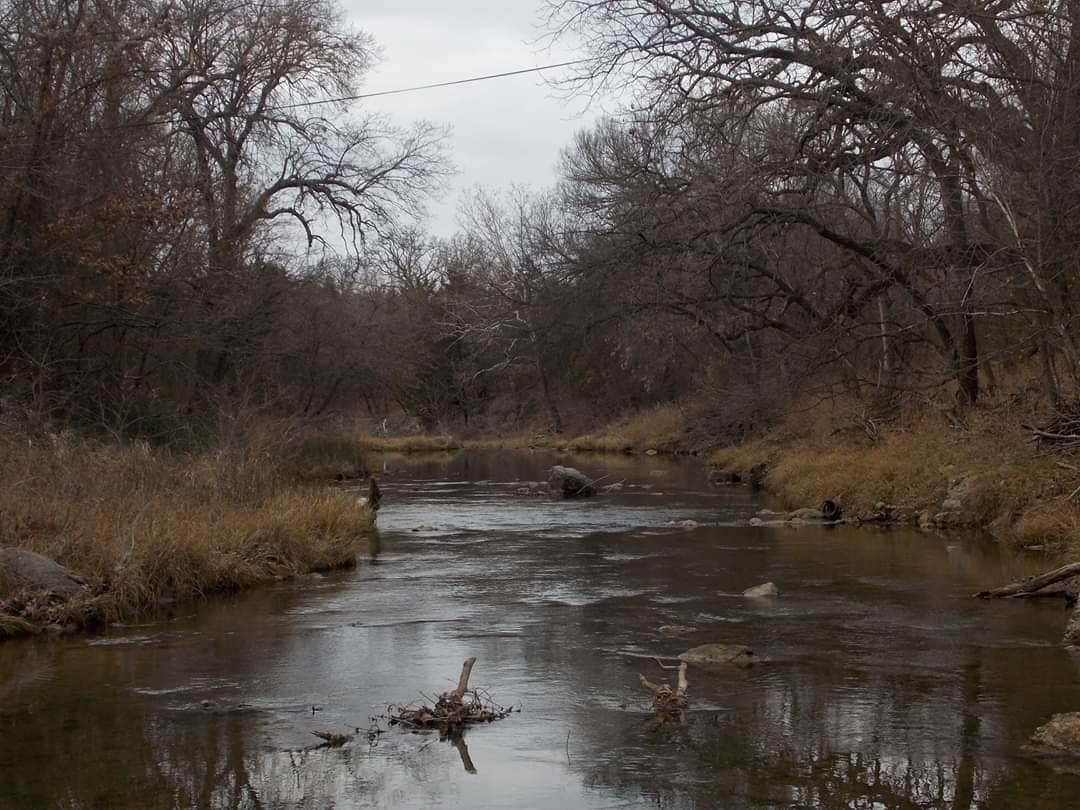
146 528
662 428
982 459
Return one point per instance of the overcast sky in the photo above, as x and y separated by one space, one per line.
503 131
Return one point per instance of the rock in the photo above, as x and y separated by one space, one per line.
726 654
650 452
425 529
1072 629
675 629
570 482
955 510
1059 737
684 524
756 521
21 568
766 591
926 520
616 487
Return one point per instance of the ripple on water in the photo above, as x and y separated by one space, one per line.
574 597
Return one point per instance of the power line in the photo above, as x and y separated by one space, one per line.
377 93
432 86
357 97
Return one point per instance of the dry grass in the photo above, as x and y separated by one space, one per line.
661 428
408 444
146 528
1013 488
516 441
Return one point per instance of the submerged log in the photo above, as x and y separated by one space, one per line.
570 482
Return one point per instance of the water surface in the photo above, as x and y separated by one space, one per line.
886 685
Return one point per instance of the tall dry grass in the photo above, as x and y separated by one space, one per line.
146 528
1012 487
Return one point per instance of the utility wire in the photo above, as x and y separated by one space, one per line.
432 86
151 122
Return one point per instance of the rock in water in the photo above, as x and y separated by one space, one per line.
766 591
27 569
733 654
570 482
1059 737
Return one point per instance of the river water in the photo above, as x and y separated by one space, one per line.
886 685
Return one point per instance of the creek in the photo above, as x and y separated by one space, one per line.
886 684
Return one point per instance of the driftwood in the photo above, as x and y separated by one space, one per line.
1063 582
668 703
453 710
1033 586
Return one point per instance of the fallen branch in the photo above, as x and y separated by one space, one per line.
1032 584
1040 586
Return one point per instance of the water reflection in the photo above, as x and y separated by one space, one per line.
887 685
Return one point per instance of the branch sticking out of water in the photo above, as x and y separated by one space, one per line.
453 710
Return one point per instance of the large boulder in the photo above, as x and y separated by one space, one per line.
570 483
20 568
721 654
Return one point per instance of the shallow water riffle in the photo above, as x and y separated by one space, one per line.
885 686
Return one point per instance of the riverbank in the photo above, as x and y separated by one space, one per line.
146 529
935 466
663 429
940 469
